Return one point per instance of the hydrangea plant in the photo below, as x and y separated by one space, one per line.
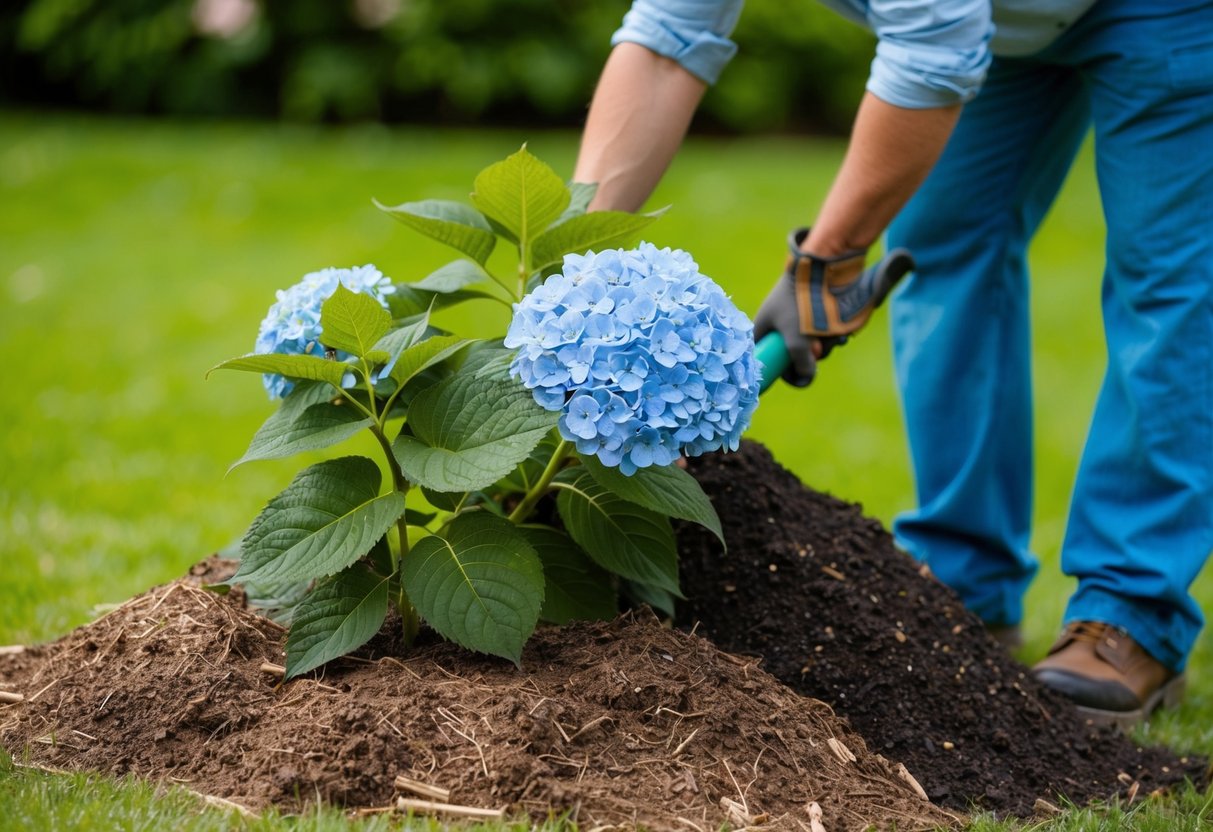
528 477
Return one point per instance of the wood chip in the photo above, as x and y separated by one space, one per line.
429 807
904 774
273 669
7 698
406 784
1044 807
833 573
736 813
841 751
12 650
815 824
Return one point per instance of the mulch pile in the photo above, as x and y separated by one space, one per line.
619 723
838 613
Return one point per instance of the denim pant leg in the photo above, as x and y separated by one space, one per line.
1141 522
961 334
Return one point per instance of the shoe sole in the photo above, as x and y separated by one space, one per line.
1167 696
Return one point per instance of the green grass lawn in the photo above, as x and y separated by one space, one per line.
136 255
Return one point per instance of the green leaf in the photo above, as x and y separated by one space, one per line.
307 367
407 301
595 231
575 588
426 354
469 432
452 277
450 223
580 195
352 321
339 616
667 490
527 473
522 194
444 500
620 536
480 586
318 426
328 517
655 597
489 359
403 335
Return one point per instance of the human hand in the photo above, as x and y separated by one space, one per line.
820 301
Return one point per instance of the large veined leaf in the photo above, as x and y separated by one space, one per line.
595 231
575 588
468 432
527 473
307 367
619 535
522 194
329 516
337 617
451 223
667 490
425 354
353 321
480 585
452 277
318 426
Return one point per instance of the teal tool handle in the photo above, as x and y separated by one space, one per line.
773 354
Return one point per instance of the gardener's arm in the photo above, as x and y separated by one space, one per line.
667 52
640 113
891 151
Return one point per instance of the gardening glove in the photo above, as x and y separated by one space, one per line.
824 299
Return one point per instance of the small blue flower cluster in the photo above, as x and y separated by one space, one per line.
646 358
292 326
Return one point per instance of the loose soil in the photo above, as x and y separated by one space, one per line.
838 613
620 723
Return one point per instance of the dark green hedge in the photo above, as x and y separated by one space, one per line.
443 61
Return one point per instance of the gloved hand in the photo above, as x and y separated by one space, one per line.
824 299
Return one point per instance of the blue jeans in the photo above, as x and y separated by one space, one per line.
1141 517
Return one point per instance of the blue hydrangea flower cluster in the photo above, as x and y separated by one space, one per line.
292 326
645 357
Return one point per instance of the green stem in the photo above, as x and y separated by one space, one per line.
523 510
370 388
522 270
410 621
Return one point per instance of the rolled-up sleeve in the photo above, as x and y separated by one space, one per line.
695 33
929 54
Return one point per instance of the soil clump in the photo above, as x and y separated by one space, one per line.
619 723
839 614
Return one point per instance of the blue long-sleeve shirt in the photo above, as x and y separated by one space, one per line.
930 53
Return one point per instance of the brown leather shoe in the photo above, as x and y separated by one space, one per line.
1108 675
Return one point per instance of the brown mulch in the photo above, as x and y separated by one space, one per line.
619 723
839 614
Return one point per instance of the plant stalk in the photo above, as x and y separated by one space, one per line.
410 623
523 510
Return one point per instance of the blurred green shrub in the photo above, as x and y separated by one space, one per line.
443 61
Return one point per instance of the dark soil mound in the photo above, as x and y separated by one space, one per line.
619 723
836 612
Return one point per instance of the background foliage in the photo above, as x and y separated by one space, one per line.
450 61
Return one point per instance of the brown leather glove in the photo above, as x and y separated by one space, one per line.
824 299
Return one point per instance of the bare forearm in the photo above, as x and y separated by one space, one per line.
638 118
891 151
